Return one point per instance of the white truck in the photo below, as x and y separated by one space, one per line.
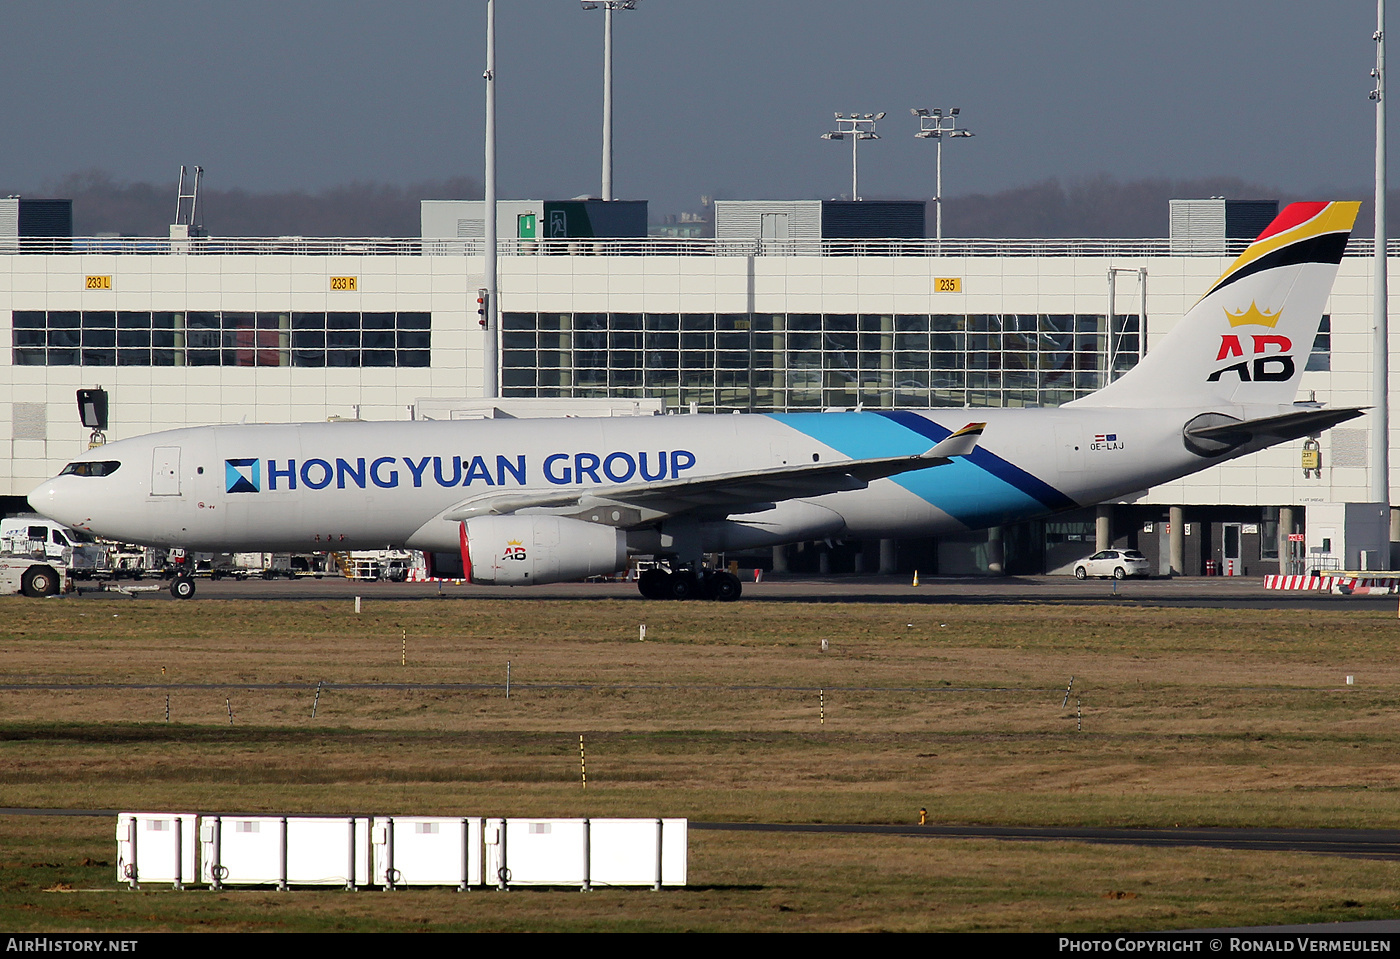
39 538
33 576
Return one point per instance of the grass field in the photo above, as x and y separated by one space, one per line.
1174 717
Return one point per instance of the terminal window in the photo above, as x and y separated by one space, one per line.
220 338
1320 358
810 361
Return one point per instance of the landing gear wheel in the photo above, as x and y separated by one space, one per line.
1080 573
726 587
182 587
652 584
683 585
39 581
1120 573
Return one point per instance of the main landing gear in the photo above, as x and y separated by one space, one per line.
685 583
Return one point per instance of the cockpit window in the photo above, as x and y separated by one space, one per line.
91 468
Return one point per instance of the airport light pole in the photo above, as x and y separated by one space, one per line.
1380 363
858 127
608 7
935 125
490 359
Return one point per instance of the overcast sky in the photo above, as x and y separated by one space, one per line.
720 97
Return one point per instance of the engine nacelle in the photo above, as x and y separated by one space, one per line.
525 550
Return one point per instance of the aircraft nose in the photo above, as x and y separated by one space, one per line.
58 500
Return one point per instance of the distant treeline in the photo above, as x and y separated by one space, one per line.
1100 206
104 205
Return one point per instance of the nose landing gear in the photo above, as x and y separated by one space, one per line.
687 583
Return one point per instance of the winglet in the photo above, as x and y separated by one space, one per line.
959 443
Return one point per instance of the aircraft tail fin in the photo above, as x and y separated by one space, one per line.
1247 340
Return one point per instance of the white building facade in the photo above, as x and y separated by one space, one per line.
196 332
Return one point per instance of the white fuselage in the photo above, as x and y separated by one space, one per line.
357 485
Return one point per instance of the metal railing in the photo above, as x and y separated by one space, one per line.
755 246
640 246
221 245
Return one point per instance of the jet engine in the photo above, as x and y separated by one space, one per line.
521 550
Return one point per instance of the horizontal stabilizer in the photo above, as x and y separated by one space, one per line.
1214 433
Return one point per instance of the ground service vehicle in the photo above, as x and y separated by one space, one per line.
32 577
38 536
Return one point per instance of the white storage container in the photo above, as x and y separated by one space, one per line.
285 851
584 852
157 848
427 851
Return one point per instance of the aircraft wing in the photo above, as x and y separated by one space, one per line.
723 493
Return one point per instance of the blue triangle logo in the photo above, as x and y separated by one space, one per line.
243 476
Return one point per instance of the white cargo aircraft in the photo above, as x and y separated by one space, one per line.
516 502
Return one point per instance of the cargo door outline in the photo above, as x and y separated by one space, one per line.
165 471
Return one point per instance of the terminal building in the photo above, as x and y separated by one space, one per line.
805 305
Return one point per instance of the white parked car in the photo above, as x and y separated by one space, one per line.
1118 563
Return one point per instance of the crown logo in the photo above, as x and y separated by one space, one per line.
1253 317
514 542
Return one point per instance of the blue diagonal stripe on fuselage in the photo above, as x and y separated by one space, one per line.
1033 486
978 490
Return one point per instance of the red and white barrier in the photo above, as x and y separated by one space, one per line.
1368 586
1348 584
1299 582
